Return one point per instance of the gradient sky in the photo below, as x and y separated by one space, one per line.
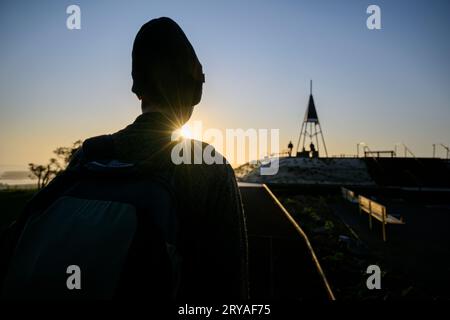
382 87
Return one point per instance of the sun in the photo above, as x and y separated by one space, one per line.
186 132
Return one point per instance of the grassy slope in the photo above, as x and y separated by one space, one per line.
345 270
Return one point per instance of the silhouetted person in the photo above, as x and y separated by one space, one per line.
211 235
168 79
290 147
312 147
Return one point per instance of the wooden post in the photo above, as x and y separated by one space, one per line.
359 202
384 223
370 214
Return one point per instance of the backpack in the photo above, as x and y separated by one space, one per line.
102 230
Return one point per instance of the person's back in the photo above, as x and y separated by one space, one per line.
212 239
168 78
211 234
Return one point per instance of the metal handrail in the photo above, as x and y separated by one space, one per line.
308 243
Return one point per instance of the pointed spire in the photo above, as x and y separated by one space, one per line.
311 130
311 113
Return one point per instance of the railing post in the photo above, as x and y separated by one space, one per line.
384 223
359 202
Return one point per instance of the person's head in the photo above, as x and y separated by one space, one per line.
167 75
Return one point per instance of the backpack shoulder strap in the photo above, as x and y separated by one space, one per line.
99 148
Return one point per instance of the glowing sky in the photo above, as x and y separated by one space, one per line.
382 87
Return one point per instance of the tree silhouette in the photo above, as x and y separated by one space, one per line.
45 173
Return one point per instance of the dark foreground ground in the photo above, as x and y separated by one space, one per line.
281 265
415 260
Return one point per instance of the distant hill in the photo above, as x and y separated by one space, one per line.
15 175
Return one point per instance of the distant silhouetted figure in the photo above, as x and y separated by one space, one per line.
290 147
126 214
313 152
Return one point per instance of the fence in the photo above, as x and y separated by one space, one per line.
377 211
349 195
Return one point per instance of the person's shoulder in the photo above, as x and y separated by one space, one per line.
206 174
98 147
92 148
